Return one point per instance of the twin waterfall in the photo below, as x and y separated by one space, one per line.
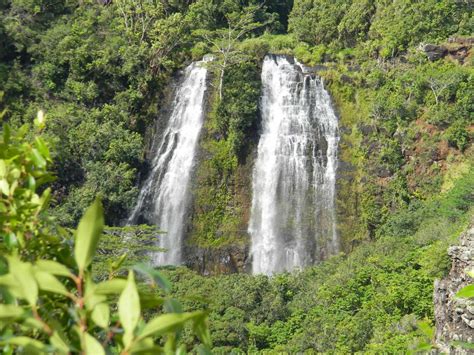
292 221
165 196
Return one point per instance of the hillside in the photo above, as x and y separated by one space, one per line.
121 82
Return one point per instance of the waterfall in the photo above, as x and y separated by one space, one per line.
293 222
164 197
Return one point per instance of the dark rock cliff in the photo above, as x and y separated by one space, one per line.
455 316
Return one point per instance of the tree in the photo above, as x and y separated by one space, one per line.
224 41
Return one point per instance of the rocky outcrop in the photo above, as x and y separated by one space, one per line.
434 52
455 316
456 48
217 261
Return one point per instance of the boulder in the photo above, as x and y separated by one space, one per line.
435 52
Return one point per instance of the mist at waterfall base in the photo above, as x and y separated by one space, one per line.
293 222
165 195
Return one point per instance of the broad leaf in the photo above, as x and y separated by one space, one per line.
146 346
101 315
155 276
23 273
110 287
10 311
53 267
13 287
129 307
88 234
33 345
167 322
37 158
91 297
4 187
202 330
149 300
93 347
172 305
33 323
466 292
49 283
42 148
3 168
59 344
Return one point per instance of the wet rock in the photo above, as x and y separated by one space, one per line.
216 261
454 316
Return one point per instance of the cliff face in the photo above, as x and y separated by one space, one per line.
455 316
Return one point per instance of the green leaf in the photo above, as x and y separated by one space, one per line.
88 234
45 198
49 283
155 276
146 346
101 315
91 298
149 300
37 158
470 273
32 344
426 328
93 347
3 168
111 287
59 344
4 187
204 350
172 305
115 265
33 323
167 322
6 133
53 267
129 307
43 149
463 344
202 330
10 311
23 274
466 292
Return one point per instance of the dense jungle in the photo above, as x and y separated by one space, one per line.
96 104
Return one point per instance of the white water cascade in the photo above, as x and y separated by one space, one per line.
165 195
293 221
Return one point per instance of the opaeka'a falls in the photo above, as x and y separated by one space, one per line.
293 221
164 197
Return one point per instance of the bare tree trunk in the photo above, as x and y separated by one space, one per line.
221 77
221 83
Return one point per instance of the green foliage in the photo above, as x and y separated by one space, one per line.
380 28
98 71
458 136
121 248
466 292
23 174
48 306
221 201
376 299
101 69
